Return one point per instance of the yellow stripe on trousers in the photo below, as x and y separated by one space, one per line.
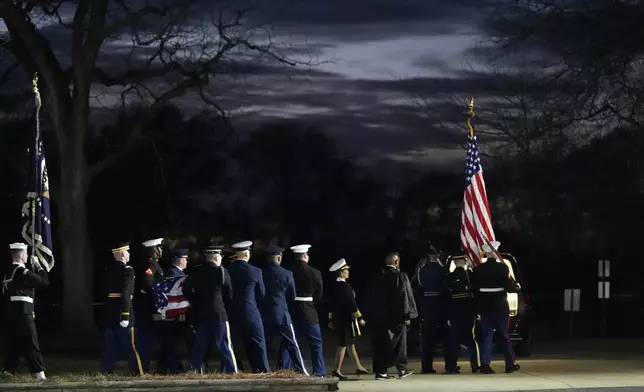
229 343
136 353
478 354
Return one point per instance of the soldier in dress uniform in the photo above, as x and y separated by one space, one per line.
345 319
461 314
175 329
119 334
491 281
308 292
429 286
248 290
147 273
280 290
20 283
207 287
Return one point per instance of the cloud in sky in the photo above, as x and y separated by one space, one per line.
373 54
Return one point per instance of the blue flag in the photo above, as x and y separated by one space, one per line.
37 209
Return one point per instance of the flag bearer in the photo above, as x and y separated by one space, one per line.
491 281
119 334
20 283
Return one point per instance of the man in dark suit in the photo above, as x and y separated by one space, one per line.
491 281
248 290
280 290
308 292
118 336
207 287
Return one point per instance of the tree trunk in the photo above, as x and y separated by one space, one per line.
77 260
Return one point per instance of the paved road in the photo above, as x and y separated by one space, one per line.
539 374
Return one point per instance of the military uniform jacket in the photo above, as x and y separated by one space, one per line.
119 281
280 291
343 304
458 293
491 282
248 289
308 292
207 288
19 284
393 298
428 285
146 276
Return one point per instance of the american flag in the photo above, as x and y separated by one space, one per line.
36 211
476 221
169 299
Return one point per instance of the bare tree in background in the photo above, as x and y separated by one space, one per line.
174 47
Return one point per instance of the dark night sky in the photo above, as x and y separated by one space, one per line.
369 54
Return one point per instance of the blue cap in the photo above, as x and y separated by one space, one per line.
180 253
121 246
274 250
213 249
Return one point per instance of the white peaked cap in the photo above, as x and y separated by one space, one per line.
338 265
18 246
243 245
154 242
300 248
495 244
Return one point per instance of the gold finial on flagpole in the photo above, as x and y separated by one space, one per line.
472 106
34 87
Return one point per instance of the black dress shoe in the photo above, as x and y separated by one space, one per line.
428 371
486 370
338 375
384 377
512 368
405 373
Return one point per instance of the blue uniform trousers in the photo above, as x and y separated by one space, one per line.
313 336
434 330
119 341
289 343
172 331
461 331
147 331
207 332
499 321
249 330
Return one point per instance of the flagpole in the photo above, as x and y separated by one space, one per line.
35 153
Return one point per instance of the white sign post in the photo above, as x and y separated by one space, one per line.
572 299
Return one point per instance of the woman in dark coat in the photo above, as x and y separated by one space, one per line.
345 319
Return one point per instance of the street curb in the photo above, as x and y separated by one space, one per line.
275 385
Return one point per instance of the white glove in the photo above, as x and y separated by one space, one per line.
35 263
124 323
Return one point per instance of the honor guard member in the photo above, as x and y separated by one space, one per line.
19 284
345 319
429 286
119 335
461 315
147 273
308 292
280 290
207 287
175 329
491 281
248 290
